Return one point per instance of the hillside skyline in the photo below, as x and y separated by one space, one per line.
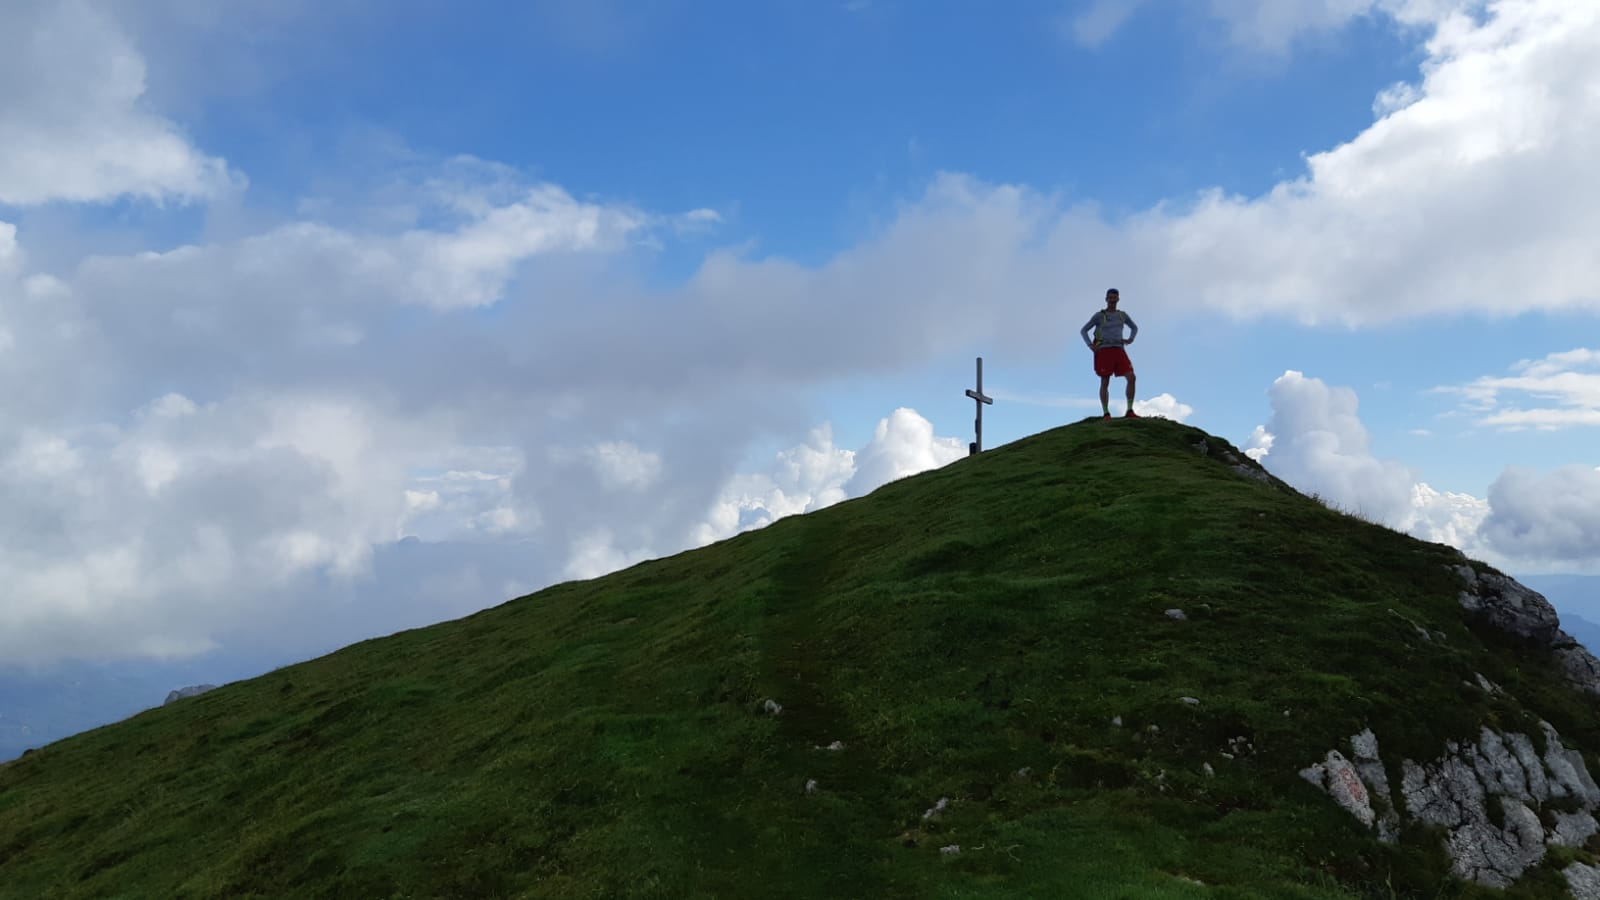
38 707
940 689
323 320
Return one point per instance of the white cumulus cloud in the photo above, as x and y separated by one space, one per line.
1164 406
1477 187
818 474
1553 516
1315 441
1319 445
158 534
804 478
596 553
1450 517
208 430
902 444
1559 390
74 125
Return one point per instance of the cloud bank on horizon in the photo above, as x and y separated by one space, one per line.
1315 440
222 438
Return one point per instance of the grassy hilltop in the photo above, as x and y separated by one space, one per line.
967 635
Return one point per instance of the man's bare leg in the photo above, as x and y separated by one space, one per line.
1105 394
1130 391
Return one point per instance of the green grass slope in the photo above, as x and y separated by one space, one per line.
968 634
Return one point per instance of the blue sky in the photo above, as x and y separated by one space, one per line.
373 314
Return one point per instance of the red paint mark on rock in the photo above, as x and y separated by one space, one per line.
1352 784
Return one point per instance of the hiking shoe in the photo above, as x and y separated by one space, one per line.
1106 416
1130 414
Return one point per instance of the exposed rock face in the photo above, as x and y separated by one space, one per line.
1455 793
1449 794
192 690
1235 464
1578 665
1515 609
1583 881
1361 787
1255 474
1572 829
1487 794
1365 748
1339 778
1508 605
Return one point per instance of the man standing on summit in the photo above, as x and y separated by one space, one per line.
1109 357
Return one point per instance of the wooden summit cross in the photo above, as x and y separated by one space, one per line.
977 446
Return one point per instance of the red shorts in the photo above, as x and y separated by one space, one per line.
1112 361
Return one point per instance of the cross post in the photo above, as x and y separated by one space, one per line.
976 446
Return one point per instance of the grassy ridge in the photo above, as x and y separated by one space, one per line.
967 634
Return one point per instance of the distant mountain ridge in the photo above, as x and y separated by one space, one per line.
1575 595
1001 678
1585 631
41 705
38 707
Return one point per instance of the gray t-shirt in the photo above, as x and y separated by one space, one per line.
1107 325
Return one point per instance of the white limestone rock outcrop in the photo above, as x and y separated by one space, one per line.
1360 787
1338 777
1455 792
1583 881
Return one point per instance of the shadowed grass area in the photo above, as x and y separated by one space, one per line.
968 634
